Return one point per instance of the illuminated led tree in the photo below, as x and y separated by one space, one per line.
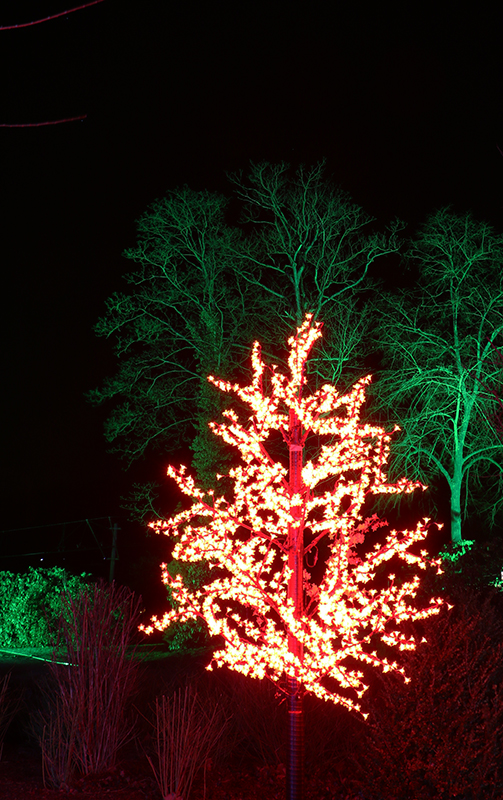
275 619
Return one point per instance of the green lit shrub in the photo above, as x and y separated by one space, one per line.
193 633
30 604
475 564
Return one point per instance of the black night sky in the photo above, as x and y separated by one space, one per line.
405 107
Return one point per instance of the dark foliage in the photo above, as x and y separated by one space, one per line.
441 735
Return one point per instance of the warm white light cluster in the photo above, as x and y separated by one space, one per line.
245 539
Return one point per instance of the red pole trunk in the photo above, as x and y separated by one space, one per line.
295 772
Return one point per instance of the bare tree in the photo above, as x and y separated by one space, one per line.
204 290
185 315
312 249
439 372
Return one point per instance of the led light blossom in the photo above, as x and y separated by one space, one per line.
349 604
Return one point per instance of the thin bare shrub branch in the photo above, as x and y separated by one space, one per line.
186 735
8 707
86 722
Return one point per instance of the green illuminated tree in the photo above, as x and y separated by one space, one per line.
439 377
204 289
185 314
313 249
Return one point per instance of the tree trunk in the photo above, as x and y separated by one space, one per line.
456 482
295 772
457 478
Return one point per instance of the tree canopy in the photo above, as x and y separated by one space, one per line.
186 312
203 289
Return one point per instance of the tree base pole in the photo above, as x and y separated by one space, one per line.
295 772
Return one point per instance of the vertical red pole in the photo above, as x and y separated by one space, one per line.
295 772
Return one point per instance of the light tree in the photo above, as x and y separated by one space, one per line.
439 378
280 613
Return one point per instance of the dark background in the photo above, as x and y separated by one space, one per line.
406 108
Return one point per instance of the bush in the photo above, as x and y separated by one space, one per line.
475 564
86 720
187 734
441 735
9 704
184 636
30 604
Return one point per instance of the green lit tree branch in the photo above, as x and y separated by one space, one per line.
496 392
311 237
438 340
311 248
186 310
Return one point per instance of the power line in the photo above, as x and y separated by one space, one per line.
45 19
52 553
36 22
39 124
54 524
61 550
